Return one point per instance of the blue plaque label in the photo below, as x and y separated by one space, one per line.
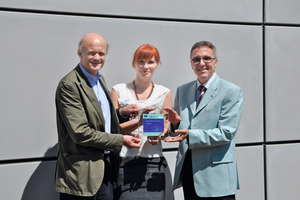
153 124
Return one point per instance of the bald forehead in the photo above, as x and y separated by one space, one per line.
91 39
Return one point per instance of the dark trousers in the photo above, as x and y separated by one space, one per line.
188 182
105 191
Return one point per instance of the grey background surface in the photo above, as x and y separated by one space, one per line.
257 45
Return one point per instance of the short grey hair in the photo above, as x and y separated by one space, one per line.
80 44
204 44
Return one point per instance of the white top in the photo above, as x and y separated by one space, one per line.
157 98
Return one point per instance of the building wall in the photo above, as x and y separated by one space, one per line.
257 45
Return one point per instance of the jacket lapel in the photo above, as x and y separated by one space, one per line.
87 88
209 94
190 95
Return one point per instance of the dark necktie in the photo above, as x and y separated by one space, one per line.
202 90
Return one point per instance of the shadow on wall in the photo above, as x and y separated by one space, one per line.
40 186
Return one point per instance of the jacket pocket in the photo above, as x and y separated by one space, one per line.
221 158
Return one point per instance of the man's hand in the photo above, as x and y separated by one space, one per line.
131 110
182 134
131 142
173 118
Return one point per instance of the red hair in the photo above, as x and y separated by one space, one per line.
145 52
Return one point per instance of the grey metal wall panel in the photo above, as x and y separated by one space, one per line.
28 181
282 83
42 48
250 162
278 11
283 175
219 10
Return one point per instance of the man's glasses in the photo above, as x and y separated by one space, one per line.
206 60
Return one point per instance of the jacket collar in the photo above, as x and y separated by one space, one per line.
209 95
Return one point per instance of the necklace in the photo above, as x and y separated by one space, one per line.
134 87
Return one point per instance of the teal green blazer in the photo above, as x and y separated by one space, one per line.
81 135
212 129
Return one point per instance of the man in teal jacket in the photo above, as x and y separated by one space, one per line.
87 124
206 162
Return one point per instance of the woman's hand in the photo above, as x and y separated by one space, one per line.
154 140
146 110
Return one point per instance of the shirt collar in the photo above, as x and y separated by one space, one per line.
207 83
92 79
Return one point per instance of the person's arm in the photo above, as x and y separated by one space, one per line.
126 127
122 116
74 120
167 104
175 119
129 126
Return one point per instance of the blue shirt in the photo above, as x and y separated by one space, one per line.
101 96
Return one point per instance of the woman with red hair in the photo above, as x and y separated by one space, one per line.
143 172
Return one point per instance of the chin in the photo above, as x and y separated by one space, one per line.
203 79
146 74
203 76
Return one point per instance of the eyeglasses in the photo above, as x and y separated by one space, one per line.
206 60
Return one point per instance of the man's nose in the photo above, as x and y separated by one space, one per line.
96 56
202 63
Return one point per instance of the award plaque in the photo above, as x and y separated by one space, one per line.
153 124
